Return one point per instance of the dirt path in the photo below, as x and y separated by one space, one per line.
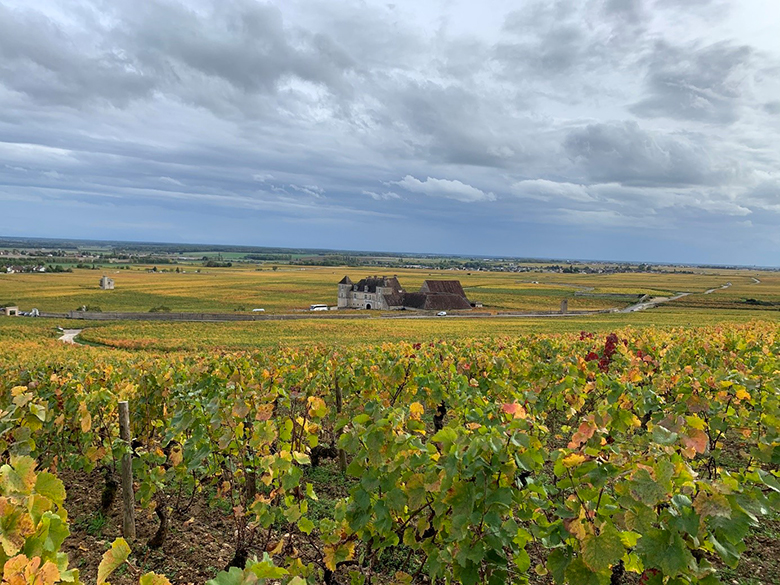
650 303
712 290
755 280
69 336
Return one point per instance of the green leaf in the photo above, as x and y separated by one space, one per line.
601 552
664 550
234 576
266 569
557 563
49 485
447 435
305 525
301 458
646 489
522 561
361 419
579 573
112 558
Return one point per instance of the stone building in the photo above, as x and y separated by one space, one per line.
385 293
107 283
370 293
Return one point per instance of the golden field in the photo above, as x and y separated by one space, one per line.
294 288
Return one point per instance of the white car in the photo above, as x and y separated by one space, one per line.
441 314
258 310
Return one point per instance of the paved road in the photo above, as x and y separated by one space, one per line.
69 336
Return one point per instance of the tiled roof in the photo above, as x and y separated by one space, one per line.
443 286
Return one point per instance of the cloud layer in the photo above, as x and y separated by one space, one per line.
623 129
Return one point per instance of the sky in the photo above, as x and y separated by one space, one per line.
645 130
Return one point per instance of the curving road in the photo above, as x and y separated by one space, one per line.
69 336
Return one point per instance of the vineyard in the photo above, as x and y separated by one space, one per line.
634 456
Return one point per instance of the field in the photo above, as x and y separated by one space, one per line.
269 334
294 288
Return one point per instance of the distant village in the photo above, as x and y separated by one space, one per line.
25 256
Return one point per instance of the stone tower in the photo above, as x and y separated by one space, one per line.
345 287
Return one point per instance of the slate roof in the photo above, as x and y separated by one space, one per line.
345 280
372 282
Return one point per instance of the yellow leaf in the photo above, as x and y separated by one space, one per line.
416 410
86 417
112 558
95 453
240 410
743 394
23 571
176 456
276 549
573 460
154 579
330 557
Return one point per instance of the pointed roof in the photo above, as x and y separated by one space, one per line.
452 287
345 280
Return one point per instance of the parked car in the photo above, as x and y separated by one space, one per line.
441 314
258 310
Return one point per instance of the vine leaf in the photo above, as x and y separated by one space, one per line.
664 550
112 558
154 579
20 571
601 552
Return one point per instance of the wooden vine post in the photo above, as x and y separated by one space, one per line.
342 453
128 496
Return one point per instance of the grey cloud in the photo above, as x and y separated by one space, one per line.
454 124
40 59
772 108
696 83
624 153
629 10
164 46
241 41
557 38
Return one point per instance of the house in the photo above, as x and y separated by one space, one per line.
11 311
387 293
107 283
